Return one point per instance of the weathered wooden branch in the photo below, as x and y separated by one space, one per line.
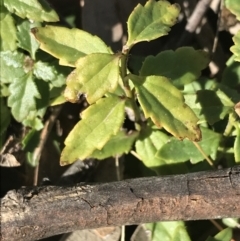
38 212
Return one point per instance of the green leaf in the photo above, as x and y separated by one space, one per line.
231 74
26 40
12 66
224 235
168 231
5 117
181 234
99 123
237 145
182 66
35 10
151 21
181 151
164 103
8 37
215 105
51 72
233 6
33 121
68 45
95 75
236 48
119 144
22 99
147 145
231 222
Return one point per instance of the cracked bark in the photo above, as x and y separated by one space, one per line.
38 212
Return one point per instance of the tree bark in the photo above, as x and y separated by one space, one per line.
38 212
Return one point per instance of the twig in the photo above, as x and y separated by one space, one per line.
43 138
194 21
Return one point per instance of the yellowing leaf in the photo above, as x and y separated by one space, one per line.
36 10
99 123
182 66
68 45
234 7
151 21
95 75
164 104
236 47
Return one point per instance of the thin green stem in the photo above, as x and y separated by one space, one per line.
209 160
127 89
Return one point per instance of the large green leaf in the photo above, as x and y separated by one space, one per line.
181 151
99 123
23 96
151 21
234 7
35 10
182 66
12 66
164 103
8 37
26 40
95 75
236 48
119 144
68 45
168 231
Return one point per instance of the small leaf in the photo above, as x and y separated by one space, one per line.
181 151
168 231
26 40
99 123
233 6
182 66
35 10
68 45
119 144
8 35
95 75
151 21
224 235
51 72
22 99
164 103
231 222
237 145
33 121
236 47
12 66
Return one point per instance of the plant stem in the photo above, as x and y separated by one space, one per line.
127 89
204 154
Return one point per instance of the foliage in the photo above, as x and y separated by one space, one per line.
180 118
